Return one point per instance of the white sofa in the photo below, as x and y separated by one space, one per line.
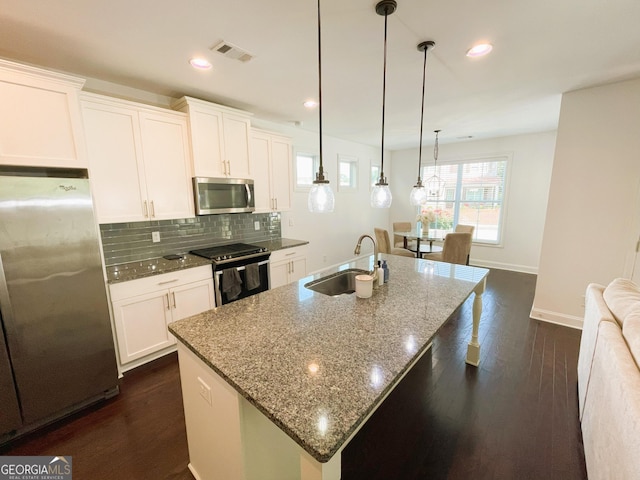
609 381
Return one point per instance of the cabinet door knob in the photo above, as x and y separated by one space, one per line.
145 211
153 210
173 294
168 303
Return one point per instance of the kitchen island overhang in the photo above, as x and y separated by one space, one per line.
313 365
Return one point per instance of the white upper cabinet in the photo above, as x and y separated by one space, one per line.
219 138
166 164
138 160
271 170
41 123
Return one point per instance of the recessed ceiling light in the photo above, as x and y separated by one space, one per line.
479 50
310 104
200 63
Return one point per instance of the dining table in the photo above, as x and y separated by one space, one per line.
421 239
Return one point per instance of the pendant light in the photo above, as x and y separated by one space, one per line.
321 198
381 195
435 185
418 194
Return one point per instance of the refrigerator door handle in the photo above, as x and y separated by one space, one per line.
5 300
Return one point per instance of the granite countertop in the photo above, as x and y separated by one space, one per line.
280 244
156 266
317 365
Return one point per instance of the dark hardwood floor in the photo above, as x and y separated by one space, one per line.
514 417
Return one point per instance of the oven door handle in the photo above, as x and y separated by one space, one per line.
242 267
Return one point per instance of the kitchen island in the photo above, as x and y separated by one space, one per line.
275 385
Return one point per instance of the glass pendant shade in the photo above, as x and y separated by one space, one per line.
418 195
381 196
321 199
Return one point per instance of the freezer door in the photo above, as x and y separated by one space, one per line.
9 410
59 334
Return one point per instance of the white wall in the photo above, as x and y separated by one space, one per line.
593 214
529 174
332 236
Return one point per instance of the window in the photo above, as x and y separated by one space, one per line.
375 176
473 195
347 173
306 168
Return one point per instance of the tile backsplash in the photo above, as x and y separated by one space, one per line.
131 242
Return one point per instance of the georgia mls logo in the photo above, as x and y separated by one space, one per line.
35 468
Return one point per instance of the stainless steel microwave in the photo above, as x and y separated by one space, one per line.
223 195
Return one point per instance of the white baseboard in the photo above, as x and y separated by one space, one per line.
504 266
557 318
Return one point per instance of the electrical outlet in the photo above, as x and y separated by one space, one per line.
256 225
205 390
291 222
155 237
324 258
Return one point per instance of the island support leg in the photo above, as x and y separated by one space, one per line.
473 349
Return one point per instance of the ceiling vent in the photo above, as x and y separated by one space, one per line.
231 51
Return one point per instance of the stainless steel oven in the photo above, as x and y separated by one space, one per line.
239 270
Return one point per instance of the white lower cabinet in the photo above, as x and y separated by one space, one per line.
287 265
143 308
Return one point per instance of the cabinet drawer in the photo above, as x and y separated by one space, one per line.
288 253
146 285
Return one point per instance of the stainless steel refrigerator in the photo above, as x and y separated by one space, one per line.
56 346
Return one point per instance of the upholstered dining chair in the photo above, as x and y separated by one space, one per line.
466 229
384 245
398 240
454 249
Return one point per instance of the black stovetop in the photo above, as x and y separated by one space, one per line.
228 251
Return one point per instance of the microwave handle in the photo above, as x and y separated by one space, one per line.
248 192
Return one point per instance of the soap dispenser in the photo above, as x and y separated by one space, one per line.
385 269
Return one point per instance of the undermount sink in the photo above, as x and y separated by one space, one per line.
337 283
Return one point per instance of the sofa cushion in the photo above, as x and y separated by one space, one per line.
631 334
595 311
611 419
622 297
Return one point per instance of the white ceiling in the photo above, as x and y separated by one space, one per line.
541 49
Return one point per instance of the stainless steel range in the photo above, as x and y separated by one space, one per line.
239 270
